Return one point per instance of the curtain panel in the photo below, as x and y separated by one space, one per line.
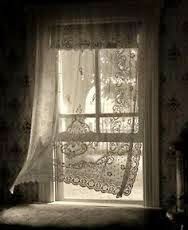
42 66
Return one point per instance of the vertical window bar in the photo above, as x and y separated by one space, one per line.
97 85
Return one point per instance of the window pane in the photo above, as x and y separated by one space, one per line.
119 125
77 125
76 70
117 70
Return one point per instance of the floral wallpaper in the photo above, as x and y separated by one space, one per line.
15 88
173 88
16 91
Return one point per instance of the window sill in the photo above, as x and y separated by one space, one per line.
138 204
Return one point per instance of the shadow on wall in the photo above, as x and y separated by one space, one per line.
5 195
23 193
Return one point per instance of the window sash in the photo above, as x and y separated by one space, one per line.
98 114
106 115
100 137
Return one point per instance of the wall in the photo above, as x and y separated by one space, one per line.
16 87
173 88
15 111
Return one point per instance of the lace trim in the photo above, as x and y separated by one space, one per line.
92 36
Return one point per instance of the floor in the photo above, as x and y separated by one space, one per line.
66 215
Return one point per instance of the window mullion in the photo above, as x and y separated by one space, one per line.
97 85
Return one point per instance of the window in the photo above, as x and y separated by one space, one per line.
99 118
105 78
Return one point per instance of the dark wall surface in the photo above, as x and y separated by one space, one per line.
173 87
16 89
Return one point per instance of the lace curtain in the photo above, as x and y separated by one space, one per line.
87 121
99 136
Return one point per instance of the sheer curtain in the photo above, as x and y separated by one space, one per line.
99 142
88 107
100 134
38 166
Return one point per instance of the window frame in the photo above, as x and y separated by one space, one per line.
150 19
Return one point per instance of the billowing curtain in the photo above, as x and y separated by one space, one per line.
38 164
87 120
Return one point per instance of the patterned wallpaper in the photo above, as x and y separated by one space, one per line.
173 88
15 111
16 87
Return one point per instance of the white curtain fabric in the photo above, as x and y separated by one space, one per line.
99 87
39 161
86 68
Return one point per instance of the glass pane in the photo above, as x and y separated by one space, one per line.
117 70
119 125
77 125
76 71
